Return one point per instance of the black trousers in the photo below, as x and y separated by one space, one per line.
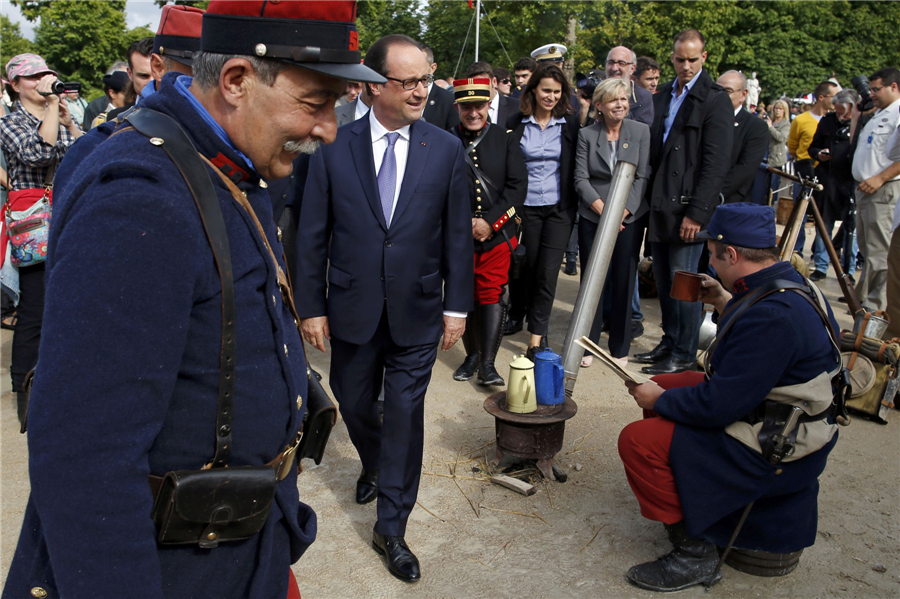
545 234
392 446
619 282
27 336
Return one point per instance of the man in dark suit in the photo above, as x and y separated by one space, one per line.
386 214
351 111
500 108
750 143
689 155
440 109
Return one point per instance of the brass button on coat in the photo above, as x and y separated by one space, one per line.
38 592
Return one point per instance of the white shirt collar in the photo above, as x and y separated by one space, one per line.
378 130
737 110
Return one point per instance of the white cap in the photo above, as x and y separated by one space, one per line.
549 52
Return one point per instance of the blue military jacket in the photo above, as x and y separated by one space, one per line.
127 379
779 341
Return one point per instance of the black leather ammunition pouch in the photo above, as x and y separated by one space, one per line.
206 507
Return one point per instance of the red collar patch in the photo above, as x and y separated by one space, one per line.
231 170
740 286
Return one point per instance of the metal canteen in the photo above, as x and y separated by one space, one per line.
549 378
520 393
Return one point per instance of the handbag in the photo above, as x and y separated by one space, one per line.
27 219
216 503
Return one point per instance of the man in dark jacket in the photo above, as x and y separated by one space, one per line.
751 140
689 154
128 381
498 182
703 452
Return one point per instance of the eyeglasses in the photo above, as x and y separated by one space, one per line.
875 89
409 84
505 81
620 63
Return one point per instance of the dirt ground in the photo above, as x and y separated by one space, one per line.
573 539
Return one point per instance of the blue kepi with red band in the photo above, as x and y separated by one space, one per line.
315 35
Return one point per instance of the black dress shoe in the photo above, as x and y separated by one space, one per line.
637 329
817 275
670 365
367 487
401 562
657 354
512 326
570 269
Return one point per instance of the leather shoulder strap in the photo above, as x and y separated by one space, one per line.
168 134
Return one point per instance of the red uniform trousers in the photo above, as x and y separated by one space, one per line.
492 273
293 589
644 449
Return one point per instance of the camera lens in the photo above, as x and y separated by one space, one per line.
57 87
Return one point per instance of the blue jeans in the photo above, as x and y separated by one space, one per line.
680 320
820 254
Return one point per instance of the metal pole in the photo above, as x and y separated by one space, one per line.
477 27
594 276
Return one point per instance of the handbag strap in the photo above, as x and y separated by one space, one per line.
165 132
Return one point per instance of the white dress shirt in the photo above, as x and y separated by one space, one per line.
361 110
494 108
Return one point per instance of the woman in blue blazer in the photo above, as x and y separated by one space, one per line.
600 146
547 134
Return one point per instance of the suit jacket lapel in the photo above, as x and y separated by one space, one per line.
361 150
415 164
603 148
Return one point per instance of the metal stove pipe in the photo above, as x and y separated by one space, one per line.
594 276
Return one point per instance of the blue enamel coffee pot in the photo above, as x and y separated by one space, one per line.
549 378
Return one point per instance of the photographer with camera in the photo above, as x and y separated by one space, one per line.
34 138
879 184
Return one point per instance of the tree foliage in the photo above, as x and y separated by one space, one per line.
791 45
13 42
197 3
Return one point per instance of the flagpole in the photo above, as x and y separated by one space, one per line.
477 27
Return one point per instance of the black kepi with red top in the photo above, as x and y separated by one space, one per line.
315 35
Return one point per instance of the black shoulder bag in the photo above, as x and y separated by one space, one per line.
517 255
216 503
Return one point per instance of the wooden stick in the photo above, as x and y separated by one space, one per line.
467 498
592 538
429 511
456 476
504 547
547 489
519 486
531 515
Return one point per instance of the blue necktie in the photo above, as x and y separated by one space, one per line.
387 177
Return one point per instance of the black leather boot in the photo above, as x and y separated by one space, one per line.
466 371
691 562
22 409
492 316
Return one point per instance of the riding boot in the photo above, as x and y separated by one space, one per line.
22 409
466 371
492 317
691 562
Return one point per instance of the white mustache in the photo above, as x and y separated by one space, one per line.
302 147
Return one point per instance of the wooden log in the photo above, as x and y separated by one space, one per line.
515 484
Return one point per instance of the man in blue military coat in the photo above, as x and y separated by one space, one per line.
127 381
386 215
703 453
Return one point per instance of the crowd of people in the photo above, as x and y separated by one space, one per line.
409 209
